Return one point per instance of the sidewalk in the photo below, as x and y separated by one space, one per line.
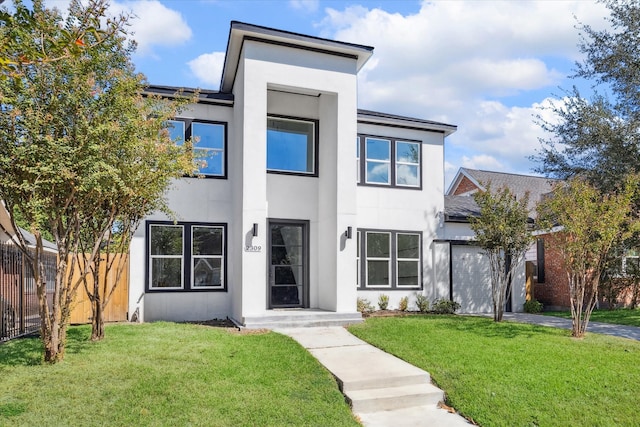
381 389
630 332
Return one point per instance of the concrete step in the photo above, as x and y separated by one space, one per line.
392 398
300 319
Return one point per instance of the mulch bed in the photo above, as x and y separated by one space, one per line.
229 326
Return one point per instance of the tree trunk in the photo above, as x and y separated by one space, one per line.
97 321
97 308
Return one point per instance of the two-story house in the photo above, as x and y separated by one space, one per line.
306 202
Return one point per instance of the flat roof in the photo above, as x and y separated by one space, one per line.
241 31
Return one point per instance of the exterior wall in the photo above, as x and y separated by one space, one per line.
465 186
192 200
402 209
554 292
267 72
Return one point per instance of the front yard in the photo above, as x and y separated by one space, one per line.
510 374
621 316
166 374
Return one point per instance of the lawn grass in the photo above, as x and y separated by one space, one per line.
620 316
167 374
511 374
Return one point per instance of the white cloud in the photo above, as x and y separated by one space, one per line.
153 24
208 68
305 5
469 63
482 161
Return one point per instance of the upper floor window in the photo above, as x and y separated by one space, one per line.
209 141
389 161
292 146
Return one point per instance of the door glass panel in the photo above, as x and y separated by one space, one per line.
287 276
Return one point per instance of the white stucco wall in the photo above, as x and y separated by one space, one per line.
192 200
402 209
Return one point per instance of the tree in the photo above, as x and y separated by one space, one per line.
592 222
599 138
83 153
502 231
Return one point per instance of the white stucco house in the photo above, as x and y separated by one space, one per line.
306 202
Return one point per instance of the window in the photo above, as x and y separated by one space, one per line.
209 141
378 259
186 256
378 161
389 162
408 260
631 262
391 259
291 146
407 164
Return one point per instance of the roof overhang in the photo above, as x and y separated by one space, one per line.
376 118
241 31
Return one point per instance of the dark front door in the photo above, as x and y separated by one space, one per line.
288 264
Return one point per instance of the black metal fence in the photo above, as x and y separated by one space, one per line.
18 296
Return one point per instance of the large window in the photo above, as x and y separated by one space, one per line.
389 259
209 141
389 162
291 146
186 256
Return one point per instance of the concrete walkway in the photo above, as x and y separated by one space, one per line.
381 389
631 332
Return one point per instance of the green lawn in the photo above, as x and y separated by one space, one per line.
166 374
510 374
618 317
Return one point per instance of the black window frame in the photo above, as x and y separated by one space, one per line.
362 256
187 256
393 144
316 135
188 122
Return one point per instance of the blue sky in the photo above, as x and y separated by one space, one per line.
485 66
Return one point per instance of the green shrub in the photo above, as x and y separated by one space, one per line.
533 306
404 304
422 302
445 306
364 306
383 301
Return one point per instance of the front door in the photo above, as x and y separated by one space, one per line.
288 264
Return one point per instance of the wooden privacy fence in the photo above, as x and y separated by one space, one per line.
116 310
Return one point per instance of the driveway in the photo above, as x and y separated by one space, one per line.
623 331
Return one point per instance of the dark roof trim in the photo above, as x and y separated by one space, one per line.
457 242
205 96
294 36
392 120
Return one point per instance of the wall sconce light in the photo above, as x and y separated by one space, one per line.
349 233
254 232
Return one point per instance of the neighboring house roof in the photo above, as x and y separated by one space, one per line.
6 224
460 208
468 181
241 31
